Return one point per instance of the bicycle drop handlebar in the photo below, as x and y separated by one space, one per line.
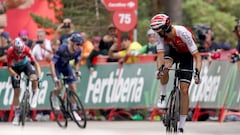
184 70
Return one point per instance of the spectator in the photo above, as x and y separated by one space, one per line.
42 49
55 44
95 52
87 48
108 40
4 45
64 30
150 47
23 34
128 47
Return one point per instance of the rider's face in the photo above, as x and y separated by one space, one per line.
76 47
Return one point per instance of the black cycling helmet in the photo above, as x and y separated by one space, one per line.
76 38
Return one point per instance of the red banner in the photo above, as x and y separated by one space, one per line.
19 19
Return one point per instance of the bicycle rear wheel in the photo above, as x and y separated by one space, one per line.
60 114
25 107
78 113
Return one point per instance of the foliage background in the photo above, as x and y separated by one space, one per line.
93 18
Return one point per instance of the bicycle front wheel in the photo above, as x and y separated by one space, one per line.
59 110
77 112
25 107
173 111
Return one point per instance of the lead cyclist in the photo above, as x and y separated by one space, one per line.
182 48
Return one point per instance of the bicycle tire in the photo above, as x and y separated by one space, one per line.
79 110
25 107
59 115
176 112
172 113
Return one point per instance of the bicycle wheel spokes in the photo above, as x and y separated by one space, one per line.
59 110
77 110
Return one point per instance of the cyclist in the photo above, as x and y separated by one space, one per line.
70 50
20 59
182 48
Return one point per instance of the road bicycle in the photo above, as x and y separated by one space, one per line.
66 110
172 110
24 104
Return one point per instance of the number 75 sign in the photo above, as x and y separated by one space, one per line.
124 17
125 20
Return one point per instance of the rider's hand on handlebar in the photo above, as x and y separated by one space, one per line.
197 77
17 77
78 74
160 71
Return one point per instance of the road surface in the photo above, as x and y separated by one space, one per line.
119 128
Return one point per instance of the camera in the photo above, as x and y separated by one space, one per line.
200 31
39 42
66 25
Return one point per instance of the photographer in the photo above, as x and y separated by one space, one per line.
205 39
64 30
42 49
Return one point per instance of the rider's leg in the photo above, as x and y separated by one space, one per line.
16 87
73 87
184 103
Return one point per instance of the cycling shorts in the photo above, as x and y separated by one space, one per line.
66 71
185 62
28 70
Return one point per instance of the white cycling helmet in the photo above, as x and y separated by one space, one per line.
18 45
160 22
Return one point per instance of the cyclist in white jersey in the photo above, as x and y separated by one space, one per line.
181 48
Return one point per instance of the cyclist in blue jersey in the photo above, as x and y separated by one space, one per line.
70 50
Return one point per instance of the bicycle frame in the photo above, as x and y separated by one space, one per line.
173 104
25 105
66 107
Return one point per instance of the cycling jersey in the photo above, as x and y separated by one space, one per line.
183 40
19 60
63 56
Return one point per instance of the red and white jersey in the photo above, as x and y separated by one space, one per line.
18 60
183 40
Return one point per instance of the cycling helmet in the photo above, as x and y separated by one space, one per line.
76 38
161 22
18 45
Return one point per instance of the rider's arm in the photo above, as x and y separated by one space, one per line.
198 60
188 38
11 71
160 59
77 62
112 53
160 51
52 65
9 62
33 62
52 69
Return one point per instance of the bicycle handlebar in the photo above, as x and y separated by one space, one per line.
184 70
62 77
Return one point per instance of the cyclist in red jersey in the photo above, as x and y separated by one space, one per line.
20 59
181 48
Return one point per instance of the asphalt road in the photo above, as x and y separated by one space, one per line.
119 128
